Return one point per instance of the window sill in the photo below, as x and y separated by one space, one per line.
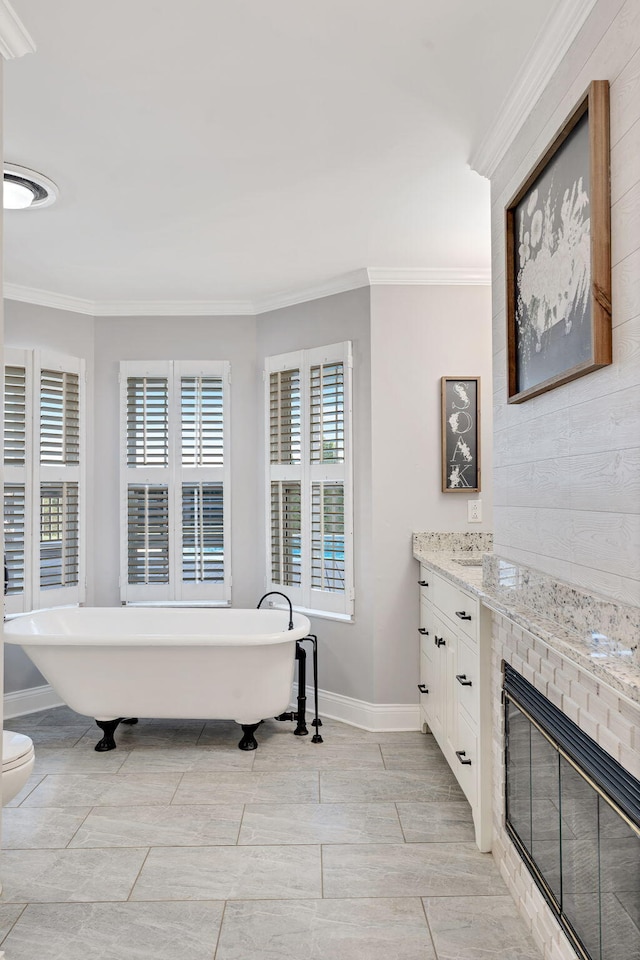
317 614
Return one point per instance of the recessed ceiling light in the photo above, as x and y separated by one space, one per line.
24 188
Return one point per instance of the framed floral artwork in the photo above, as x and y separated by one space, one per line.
558 250
460 405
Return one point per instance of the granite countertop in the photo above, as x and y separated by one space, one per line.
598 634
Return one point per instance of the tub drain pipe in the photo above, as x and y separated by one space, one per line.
301 657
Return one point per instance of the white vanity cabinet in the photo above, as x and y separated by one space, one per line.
455 693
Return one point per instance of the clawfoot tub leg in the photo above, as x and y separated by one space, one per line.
108 727
248 741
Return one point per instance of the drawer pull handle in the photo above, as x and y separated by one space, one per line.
463 615
463 753
439 641
422 688
423 631
423 583
462 680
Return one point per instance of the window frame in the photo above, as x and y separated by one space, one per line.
325 603
174 475
34 474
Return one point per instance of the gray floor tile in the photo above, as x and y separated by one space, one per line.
64 790
284 823
318 756
170 826
36 828
177 814
26 791
52 759
55 717
175 759
81 876
9 914
376 786
325 930
51 736
408 870
439 820
229 873
479 928
116 931
261 787
225 733
423 758
147 733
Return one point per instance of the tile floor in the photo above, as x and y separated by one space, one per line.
177 844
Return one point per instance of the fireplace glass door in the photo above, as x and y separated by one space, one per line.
581 847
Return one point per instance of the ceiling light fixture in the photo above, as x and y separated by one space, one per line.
25 188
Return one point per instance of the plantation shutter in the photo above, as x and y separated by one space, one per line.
58 488
175 484
309 472
17 421
44 468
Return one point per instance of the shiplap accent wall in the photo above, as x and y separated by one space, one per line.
567 463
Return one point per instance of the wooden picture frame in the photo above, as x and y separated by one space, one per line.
460 406
558 257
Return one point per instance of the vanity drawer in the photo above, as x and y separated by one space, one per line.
460 607
425 583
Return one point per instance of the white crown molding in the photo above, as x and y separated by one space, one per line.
556 36
340 284
366 277
129 308
173 308
45 298
15 40
438 276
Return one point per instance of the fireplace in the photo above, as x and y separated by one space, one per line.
573 813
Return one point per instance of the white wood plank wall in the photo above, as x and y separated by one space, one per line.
567 463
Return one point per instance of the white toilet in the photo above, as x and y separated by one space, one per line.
18 757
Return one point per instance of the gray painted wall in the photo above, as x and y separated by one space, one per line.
404 339
177 338
567 463
418 335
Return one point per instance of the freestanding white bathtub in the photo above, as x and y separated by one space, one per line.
112 663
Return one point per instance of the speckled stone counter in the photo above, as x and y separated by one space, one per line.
598 634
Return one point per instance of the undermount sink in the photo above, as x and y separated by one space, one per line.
469 561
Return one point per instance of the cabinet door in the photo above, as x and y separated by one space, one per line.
467 679
433 657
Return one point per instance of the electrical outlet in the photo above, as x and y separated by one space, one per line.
474 511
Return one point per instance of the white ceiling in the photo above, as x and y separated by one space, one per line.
210 151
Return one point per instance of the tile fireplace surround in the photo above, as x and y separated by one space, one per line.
580 651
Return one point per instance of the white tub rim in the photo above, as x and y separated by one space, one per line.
38 628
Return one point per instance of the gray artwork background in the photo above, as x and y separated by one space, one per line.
553 327
460 426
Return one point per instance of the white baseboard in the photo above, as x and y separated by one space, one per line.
20 702
376 717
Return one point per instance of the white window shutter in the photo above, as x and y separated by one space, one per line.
44 497
175 482
58 500
309 478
